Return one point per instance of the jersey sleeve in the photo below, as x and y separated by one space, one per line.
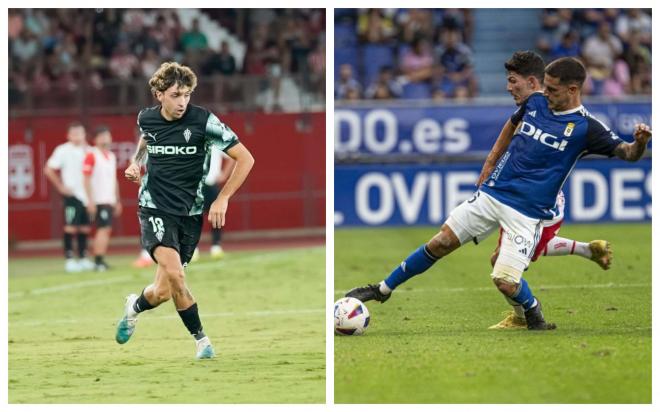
55 160
219 134
518 115
600 139
88 164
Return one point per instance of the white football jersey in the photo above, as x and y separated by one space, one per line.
68 159
102 167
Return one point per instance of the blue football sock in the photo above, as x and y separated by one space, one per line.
524 296
418 262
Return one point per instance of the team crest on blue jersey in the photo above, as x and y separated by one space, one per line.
569 129
187 133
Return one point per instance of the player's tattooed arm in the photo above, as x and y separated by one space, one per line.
132 172
140 155
500 146
634 151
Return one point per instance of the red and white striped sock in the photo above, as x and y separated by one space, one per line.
559 246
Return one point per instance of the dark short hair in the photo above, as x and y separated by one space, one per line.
568 70
526 63
101 129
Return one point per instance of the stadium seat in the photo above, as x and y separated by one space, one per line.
345 36
416 91
375 56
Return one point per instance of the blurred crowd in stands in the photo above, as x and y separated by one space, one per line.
426 53
62 50
614 45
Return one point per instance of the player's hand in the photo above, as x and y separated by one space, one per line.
117 210
217 212
642 133
132 173
91 211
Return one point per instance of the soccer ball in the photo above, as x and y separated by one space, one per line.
351 317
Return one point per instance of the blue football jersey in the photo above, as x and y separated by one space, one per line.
543 151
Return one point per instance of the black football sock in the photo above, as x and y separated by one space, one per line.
216 234
98 259
68 245
82 245
190 318
142 304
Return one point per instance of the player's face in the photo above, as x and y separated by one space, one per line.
558 95
174 101
518 86
76 135
104 140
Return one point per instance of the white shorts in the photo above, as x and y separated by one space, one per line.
478 217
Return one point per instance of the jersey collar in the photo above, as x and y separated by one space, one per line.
575 110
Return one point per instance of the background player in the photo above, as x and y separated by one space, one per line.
522 190
219 170
178 137
102 190
525 72
67 158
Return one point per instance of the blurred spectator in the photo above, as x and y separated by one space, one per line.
569 46
417 61
456 76
149 64
415 23
634 20
25 48
222 62
601 49
194 39
385 86
347 87
555 23
638 58
317 68
375 27
123 64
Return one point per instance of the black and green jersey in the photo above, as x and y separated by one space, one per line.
178 156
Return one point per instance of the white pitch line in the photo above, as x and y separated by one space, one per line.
69 286
548 287
259 313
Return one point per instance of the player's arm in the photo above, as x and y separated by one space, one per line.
498 149
244 162
88 168
634 151
118 206
54 178
132 172
226 168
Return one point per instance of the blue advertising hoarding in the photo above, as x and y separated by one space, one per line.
450 129
411 194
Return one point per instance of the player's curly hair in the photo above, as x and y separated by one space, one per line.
171 73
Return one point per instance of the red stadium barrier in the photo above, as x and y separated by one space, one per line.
285 190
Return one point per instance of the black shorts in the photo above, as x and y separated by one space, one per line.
104 215
75 213
178 232
210 194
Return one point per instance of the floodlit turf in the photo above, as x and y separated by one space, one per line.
264 312
430 344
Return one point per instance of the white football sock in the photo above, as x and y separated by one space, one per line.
384 289
559 246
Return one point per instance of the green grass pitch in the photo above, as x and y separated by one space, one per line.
264 312
430 343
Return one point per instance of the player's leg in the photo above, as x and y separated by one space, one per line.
70 231
102 237
210 194
514 319
520 237
598 251
190 230
82 221
466 222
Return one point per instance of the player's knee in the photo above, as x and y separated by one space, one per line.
506 278
443 243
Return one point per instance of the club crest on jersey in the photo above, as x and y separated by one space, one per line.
187 133
569 129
